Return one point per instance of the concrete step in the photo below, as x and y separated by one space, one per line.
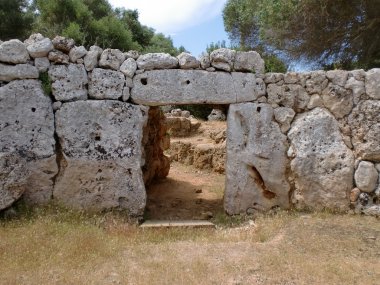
177 224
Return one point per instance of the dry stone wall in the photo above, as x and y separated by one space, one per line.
304 140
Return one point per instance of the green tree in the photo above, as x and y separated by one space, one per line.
161 43
15 19
339 32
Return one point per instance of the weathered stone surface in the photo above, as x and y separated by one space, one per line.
337 77
34 38
102 156
292 78
338 100
57 56
13 51
111 58
317 82
19 71
156 165
132 54
246 87
63 44
129 67
77 53
372 83
315 101
323 166
171 87
13 174
366 176
40 48
249 61
216 115
152 61
354 195
284 116
24 110
357 87
256 160
42 64
204 59
365 128
68 82
373 210
106 84
27 142
261 88
92 57
272 77
40 180
187 61
293 96
223 59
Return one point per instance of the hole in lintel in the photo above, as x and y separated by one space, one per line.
97 137
144 81
258 109
33 110
187 82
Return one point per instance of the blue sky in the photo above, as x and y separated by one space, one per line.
191 23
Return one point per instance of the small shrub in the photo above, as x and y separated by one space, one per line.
46 83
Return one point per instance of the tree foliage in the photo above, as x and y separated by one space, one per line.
88 22
15 19
339 32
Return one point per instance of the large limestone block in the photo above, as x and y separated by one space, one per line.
337 77
13 178
40 48
26 119
26 139
68 82
171 87
13 51
257 165
372 83
365 127
223 59
187 61
41 180
63 44
366 176
18 71
101 164
106 84
128 67
111 58
92 57
249 61
338 100
77 53
152 61
323 166
292 96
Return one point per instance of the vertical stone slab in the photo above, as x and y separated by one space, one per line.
27 145
101 156
322 165
256 160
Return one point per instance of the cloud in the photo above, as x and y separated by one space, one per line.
172 16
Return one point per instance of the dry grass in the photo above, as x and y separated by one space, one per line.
55 246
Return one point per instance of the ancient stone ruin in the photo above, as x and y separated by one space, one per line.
304 140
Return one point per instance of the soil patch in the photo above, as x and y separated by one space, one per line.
187 193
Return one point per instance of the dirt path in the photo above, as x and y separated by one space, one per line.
187 193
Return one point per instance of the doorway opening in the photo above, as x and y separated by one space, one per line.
195 148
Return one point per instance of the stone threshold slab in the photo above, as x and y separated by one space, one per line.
177 224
